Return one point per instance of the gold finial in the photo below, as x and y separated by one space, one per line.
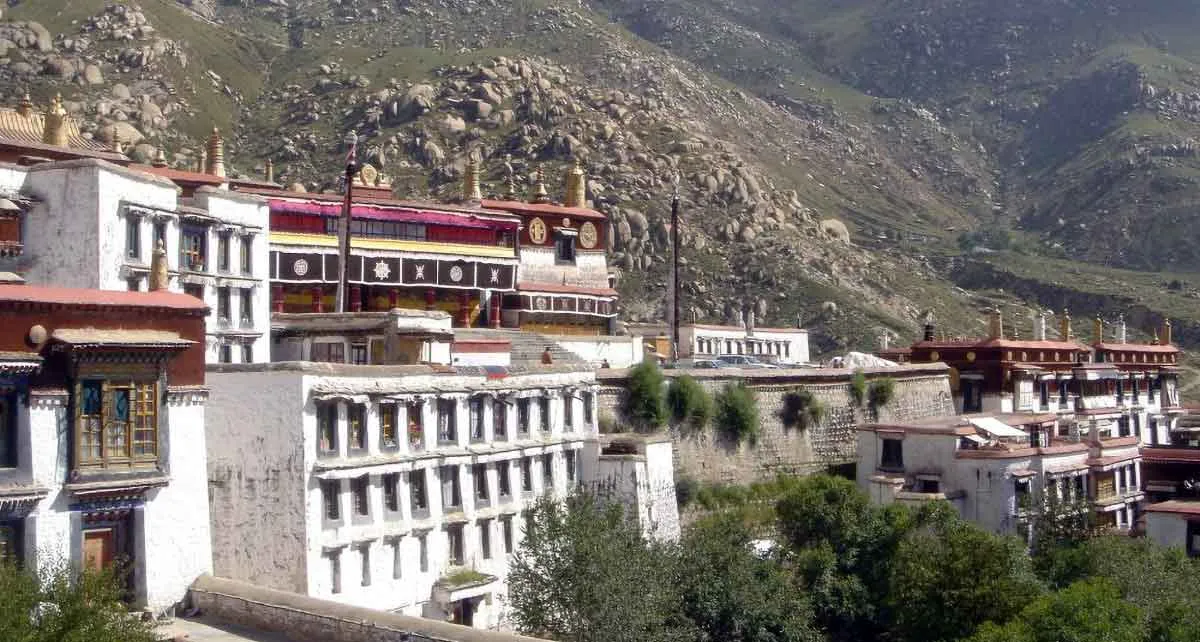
25 107
1098 329
1155 341
159 279
116 138
1064 327
539 187
471 191
160 158
54 132
511 193
1166 333
216 154
576 186
269 170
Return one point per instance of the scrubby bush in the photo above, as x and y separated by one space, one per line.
801 409
645 405
737 414
858 388
690 404
881 393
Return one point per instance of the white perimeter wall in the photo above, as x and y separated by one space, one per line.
257 475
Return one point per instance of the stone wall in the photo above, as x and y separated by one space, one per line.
307 619
920 391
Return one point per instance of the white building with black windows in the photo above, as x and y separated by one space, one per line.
395 487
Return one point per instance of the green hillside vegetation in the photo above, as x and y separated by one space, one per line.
922 126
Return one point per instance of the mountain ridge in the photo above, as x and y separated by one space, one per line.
808 192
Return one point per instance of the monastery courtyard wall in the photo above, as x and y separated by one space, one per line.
920 391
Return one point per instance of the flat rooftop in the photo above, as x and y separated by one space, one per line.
204 628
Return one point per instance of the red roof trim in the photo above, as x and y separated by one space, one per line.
1002 343
1178 506
1135 347
179 175
544 209
366 200
15 294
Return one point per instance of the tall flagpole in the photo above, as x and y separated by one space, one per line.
675 258
343 288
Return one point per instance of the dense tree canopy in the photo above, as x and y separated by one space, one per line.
843 569
61 605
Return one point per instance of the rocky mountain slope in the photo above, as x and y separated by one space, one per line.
831 160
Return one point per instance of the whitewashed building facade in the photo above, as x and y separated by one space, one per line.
102 456
93 224
390 487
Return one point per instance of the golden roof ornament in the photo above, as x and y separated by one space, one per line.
54 131
159 279
269 170
160 158
576 186
539 187
471 191
216 154
25 107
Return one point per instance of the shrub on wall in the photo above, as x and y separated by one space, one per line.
858 388
737 414
645 405
686 489
690 404
801 409
881 393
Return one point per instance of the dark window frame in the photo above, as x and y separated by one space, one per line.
891 454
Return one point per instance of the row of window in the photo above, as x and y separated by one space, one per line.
193 246
738 346
116 424
456 553
447 422
451 490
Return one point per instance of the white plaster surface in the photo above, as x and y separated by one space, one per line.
178 543
619 351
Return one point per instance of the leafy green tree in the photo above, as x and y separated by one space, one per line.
645 405
858 387
1160 581
949 576
732 595
841 546
690 404
737 414
58 604
1087 611
1060 529
584 573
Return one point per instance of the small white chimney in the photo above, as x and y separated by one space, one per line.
885 339
1121 333
1039 326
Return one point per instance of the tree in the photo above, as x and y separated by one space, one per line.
841 546
60 604
1060 529
732 595
645 406
1160 581
1083 612
584 573
737 414
691 406
949 576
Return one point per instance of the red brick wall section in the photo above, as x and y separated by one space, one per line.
185 369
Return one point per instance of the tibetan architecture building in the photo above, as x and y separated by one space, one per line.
488 263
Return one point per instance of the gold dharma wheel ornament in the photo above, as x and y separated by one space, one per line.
537 231
587 235
369 174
